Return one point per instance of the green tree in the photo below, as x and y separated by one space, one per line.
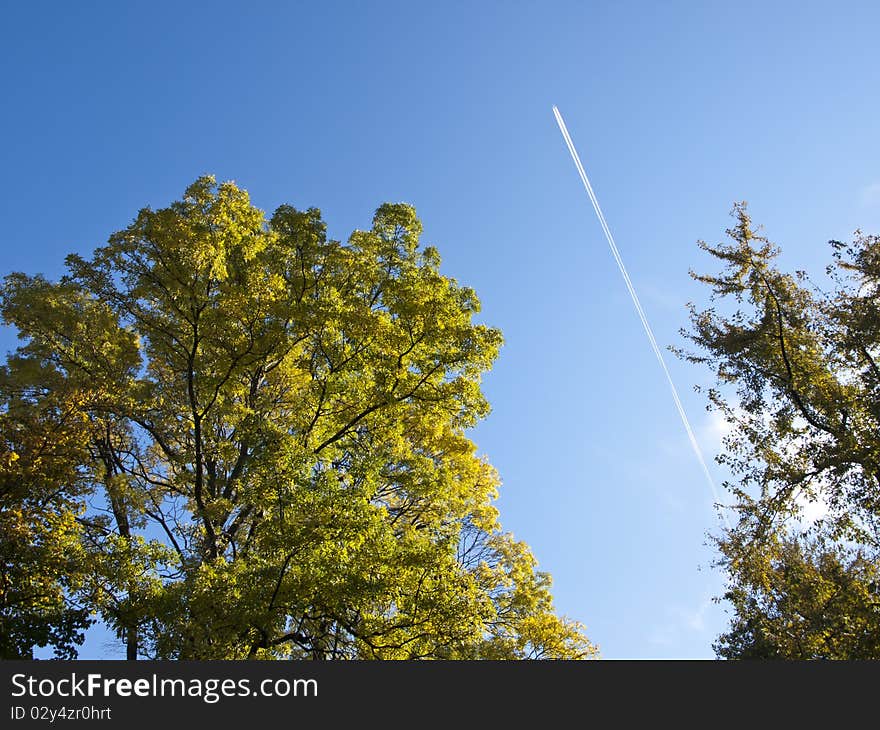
798 382
41 558
277 444
801 597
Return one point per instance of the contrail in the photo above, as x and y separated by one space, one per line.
641 312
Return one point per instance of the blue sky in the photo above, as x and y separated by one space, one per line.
677 109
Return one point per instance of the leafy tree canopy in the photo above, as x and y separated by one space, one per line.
230 437
799 383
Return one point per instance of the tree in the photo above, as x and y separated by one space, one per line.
41 441
801 598
799 384
276 448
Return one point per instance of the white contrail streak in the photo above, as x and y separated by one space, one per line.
641 312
